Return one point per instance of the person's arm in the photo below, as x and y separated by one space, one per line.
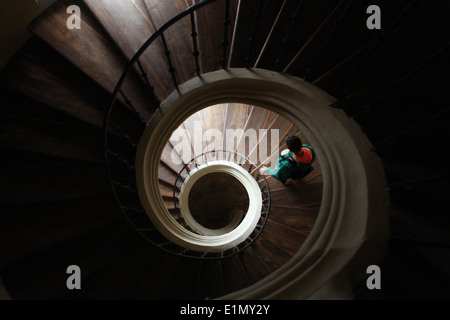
270 171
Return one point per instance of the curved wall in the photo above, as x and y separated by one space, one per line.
351 231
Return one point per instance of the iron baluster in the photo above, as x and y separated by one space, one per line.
373 45
408 184
183 252
146 229
169 60
195 53
285 41
124 186
378 146
225 41
252 39
123 161
322 48
165 243
367 108
411 240
264 214
137 216
133 209
132 108
147 82
122 134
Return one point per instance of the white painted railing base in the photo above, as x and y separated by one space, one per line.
236 231
351 231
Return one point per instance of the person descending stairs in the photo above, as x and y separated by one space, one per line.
294 162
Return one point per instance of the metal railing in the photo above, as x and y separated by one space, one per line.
228 156
126 120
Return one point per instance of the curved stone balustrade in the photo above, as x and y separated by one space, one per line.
351 229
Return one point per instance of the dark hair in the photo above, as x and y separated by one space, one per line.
293 143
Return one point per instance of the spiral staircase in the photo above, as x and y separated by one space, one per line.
73 98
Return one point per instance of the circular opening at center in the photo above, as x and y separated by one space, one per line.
217 199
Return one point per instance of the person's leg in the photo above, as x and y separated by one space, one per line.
306 172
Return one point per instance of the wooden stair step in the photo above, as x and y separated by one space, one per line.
313 177
129 266
178 37
210 43
156 283
166 191
27 230
408 55
274 156
334 36
180 143
167 175
236 115
213 117
39 72
265 148
44 276
309 18
318 38
134 19
193 129
300 218
254 266
272 255
288 239
274 183
91 50
298 195
211 280
17 277
185 284
17 158
245 26
171 158
346 74
100 272
234 274
54 181
259 118
50 134
168 203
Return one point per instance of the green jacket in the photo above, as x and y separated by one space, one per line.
283 169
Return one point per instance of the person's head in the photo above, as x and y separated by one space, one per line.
293 143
